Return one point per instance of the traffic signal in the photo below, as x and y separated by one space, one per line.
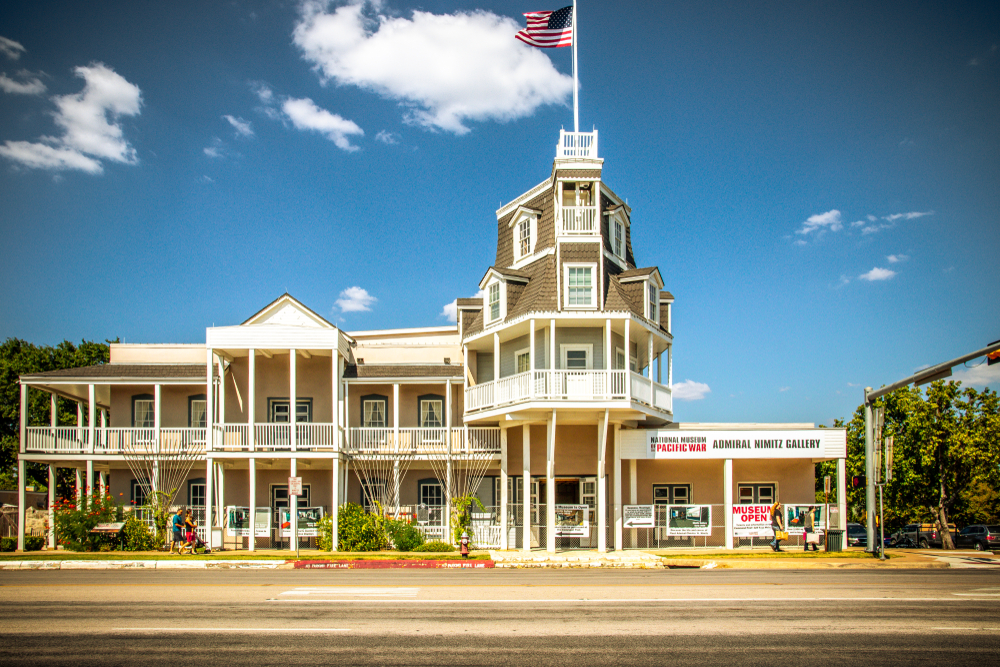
993 357
858 482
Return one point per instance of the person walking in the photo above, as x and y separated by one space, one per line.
177 525
810 538
777 524
189 533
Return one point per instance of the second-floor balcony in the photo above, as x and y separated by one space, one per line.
578 220
565 386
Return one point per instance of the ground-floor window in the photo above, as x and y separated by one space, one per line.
756 493
671 494
279 500
430 493
196 492
138 493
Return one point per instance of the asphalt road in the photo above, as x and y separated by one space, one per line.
501 617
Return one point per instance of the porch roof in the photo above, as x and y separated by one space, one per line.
120 372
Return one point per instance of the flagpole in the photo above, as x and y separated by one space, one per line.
576 82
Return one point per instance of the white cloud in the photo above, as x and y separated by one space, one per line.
354 300
10 48
444 69
877 274
305 115
450 310
90 124
386 137
912 215
262 91
241 126
857 223
896 259
689 390
978 376
821 222
33 85
783 390
871 218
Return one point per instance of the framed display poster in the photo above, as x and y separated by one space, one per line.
689 520
238 522
309 518
795 518
572 520
752 521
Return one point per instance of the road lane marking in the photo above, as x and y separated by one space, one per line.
205 630
355 592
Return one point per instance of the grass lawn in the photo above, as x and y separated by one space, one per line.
237 555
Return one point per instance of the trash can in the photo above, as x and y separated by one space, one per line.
834 540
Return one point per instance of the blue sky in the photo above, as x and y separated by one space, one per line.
816 181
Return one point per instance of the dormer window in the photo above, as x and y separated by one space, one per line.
494 302
525 232
524 237
618 237
652 302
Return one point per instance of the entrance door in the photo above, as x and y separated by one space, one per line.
588 496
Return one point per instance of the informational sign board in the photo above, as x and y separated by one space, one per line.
572 520
308 525
795 518
295 486
689 520
238 521
684 445
108 527
638 516
752 521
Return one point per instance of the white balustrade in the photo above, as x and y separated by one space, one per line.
424 441
315 435
641 390
577 144
273 437
578 220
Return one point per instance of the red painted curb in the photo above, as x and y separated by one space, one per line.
388 564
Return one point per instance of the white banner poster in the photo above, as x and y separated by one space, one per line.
638 516
572 520
238 522
752 521
689 520
795 518
309 518
683 444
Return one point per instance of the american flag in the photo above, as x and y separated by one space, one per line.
548 29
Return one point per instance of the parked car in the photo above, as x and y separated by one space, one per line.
980 537
899 540
925 535
857 535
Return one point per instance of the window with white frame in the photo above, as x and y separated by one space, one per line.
431 494
522 360
197 411
577 357
278 411
580 286
143 411
431 411
653 294
633 363
374 411
494 301
618 237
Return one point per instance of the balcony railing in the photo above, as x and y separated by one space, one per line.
568 385
578 220
416 441
577 144
73 440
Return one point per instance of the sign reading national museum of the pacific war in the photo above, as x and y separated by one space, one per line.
749 444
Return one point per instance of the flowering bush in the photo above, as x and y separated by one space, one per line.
73 521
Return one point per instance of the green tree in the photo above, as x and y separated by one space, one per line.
18 357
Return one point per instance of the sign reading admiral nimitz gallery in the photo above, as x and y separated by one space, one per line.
749 444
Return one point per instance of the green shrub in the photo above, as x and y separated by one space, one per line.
136 536
8 544
358 530
435 545
32 543
403 535
324 541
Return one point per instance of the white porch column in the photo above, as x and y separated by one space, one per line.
552 345
550 484
252 408
448 413
209 497
88 487
531 357
842 493
727 499
609 355
337 371
602 487
24 421
649 373
53 412
253 500
618 482
222 390
91 420
293 407
22 499
526 487
220 506
79 486
334 498
503 488
52 502
496 360
102 485
659 368
628 359
209 413
670 367
293 513
79 429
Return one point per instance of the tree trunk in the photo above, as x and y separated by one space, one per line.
942 517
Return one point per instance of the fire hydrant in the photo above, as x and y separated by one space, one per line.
465 545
